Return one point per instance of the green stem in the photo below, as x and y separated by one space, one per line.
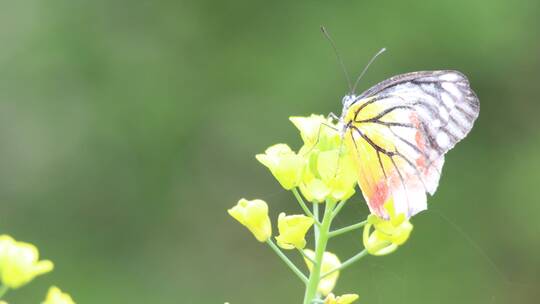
322 240
338 208
347 263
346 229
304 206
287 261
316 227
3 290
305 256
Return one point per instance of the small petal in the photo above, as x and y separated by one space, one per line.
317 190
292 230
344 299
310 127
254 215
56 296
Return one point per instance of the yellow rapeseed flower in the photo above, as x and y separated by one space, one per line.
387 234
19 262
344 299
330 172
292 230
56 296
285 165
330 262
254 215
313 130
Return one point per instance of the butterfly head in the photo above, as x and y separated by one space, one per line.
347 101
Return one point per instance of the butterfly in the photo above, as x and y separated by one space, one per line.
398 132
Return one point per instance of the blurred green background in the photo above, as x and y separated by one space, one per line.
127 129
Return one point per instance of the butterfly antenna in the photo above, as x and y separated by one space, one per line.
366 68
327 36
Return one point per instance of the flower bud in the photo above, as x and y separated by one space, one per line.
285 165
387 234
56 296
19 262
292 230
344 299
330 262
254 215
311 128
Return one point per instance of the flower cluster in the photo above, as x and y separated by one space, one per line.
322 171
20 264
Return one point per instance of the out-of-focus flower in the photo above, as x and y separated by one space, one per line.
56 296
344 299
387 234
19 262
330 262
285 165
254 215
292 230
330 172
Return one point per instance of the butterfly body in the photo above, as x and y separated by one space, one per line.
399 131
347 101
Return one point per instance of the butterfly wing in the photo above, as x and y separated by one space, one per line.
399 131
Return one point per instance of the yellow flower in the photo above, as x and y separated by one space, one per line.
285 165
344 299
19 262
56 296
338 172
330 172
387 234
253 215
292 230
312 128
329 262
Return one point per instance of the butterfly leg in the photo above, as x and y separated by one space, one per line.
333 116
319 135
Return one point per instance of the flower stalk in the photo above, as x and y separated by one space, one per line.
3 290
289 263
322 240
347 263
346 229
304 206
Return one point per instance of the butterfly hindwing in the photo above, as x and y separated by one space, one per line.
400 130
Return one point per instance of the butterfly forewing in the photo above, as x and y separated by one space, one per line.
400 130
